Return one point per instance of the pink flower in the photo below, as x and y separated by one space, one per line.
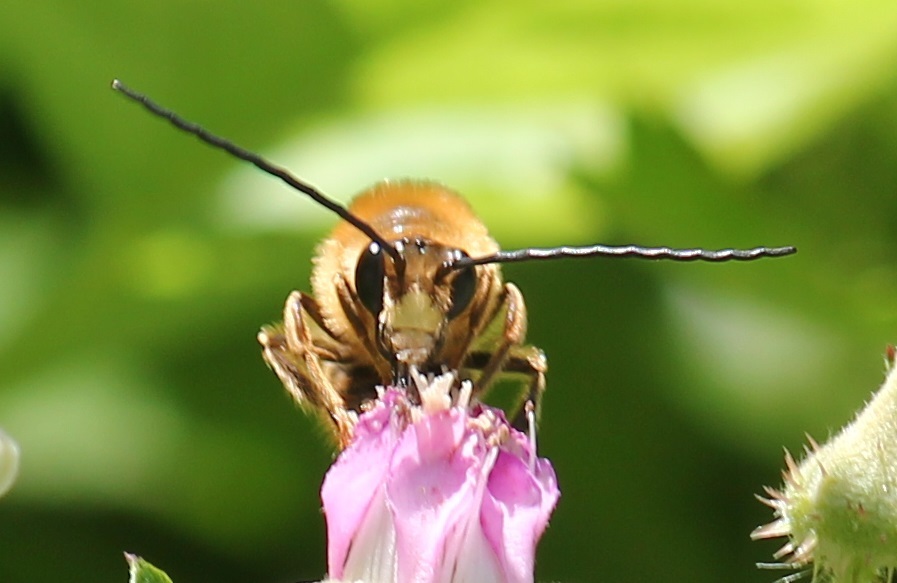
442 492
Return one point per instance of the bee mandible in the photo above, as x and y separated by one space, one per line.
409 281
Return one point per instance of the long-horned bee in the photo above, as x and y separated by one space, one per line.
375 316
409 280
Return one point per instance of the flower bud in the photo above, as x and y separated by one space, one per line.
838 507
438 492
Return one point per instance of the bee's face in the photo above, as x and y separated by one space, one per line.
414 301
417 308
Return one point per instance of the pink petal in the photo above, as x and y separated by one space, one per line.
432 491
355 481
515 512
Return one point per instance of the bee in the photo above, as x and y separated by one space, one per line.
409 281
375 316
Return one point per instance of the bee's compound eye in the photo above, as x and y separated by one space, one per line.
464 285
369 278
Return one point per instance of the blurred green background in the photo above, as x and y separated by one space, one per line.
136 265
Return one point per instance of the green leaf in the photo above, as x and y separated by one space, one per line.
9 462
143 572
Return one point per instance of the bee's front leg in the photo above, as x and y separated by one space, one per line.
531 361
512 356
294 351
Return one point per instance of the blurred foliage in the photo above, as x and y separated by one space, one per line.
137 265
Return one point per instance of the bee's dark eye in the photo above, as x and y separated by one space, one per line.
464 285
369 278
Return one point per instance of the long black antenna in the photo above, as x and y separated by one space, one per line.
260 163
534 254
